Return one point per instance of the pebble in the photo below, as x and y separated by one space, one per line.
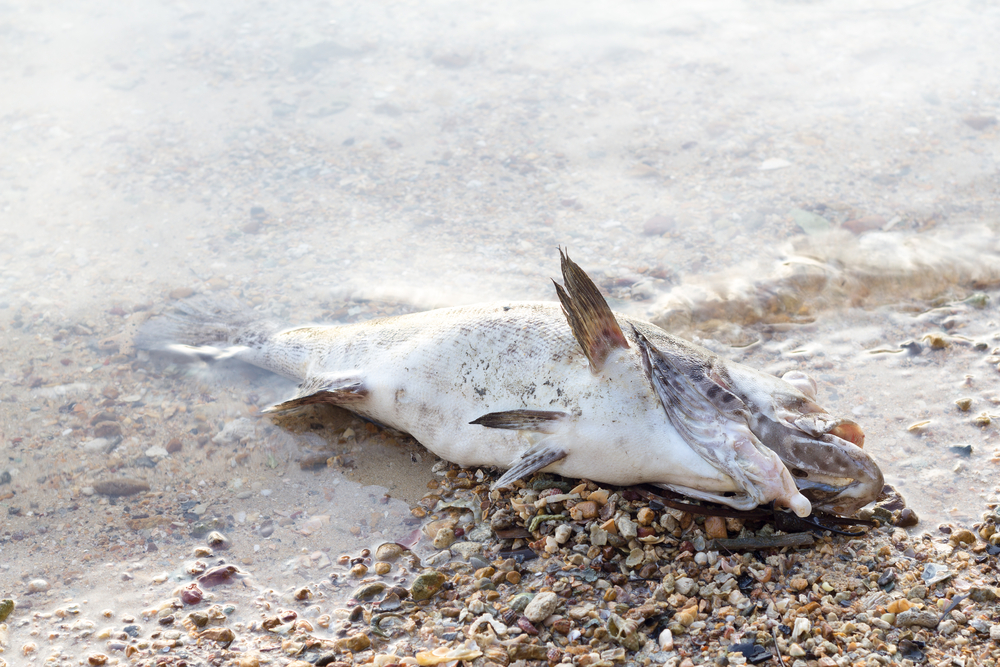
657 225
926 619
38 586
541 606
426 585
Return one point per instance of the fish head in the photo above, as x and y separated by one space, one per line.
823 452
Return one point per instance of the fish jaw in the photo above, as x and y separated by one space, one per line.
823 452
838 476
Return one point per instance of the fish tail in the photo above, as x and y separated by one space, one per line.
205 327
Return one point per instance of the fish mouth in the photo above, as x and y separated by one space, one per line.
824 455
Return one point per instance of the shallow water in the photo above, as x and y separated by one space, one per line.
331 163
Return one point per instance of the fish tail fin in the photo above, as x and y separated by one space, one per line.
206 328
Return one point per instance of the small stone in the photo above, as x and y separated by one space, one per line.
859 226
963 536
980 123
467 549
38 586
598 536
715 528
995 633
388 552
541 606
563 533
657 225
796 651
897 606
426 585
527 652
774 163
947 627
356 642
181 293
798 584
801 629
6 608
513 577
964 404
626 527
107 429
583 511
97 659
983 594
221 635
925 619
645 516
368 591
444 538
217 540
382 568
191 594
666 640
686 617
686 586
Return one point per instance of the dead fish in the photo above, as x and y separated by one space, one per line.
570 388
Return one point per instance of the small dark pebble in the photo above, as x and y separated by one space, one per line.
191 594
965 451
888 579
754 653
746 583
132 630
519 555
907 518
526 626
5 477
166 620
980 123
217 576
911 650
121 487
912 347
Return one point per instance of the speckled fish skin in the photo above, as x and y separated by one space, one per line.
645 408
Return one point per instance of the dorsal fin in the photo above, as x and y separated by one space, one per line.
594 325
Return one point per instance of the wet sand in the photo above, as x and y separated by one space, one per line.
330 164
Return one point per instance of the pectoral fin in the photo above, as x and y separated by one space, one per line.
542 421
328 388
540 456
594 325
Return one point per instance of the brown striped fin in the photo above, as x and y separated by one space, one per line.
542 421
333 389
594 325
